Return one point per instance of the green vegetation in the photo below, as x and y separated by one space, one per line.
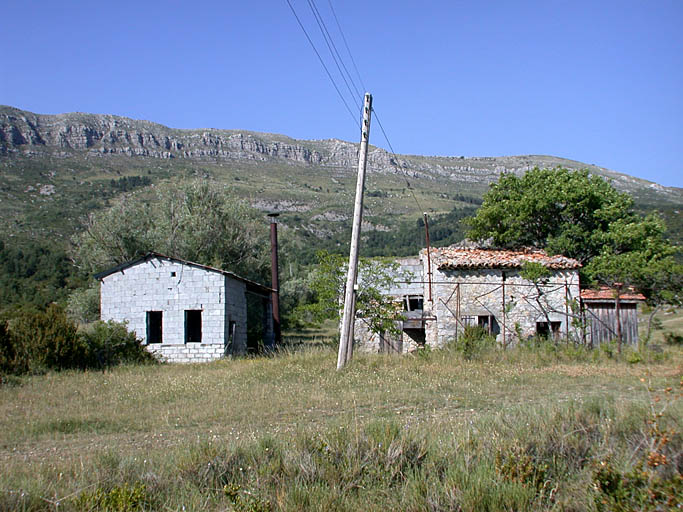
528 429
34 341
327 283
197 221
586 218
566 212
33 273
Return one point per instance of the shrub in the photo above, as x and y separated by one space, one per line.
35 341
111 343
122 498
671 338
474 341
83 305
46 340
12 360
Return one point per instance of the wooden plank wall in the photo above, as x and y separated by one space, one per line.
601 322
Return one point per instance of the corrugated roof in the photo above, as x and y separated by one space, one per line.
156 255
609 294
452 258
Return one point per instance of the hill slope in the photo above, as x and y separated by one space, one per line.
56 168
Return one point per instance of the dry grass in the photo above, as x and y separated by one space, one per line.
67 425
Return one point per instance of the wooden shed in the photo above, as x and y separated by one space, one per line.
603 313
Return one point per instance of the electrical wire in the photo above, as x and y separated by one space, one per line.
339 62
334 52
391 148
346 45
334 83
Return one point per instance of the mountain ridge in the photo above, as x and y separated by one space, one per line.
55 170
29 134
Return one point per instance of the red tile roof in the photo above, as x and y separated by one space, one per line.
452 258
609 294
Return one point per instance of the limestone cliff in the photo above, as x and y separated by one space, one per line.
64 135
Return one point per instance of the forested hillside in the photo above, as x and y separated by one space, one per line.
56 170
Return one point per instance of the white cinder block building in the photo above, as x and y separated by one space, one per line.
183 311
456 287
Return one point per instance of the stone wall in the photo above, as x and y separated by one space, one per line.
172 287
515 304
407 282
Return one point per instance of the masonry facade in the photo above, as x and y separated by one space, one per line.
456 287
183 311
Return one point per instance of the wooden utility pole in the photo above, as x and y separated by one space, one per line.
346 335
429 258
275 280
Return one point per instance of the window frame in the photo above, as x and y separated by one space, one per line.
154 322
193 326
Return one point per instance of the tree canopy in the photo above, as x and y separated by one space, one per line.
195 220
565 212
378 310
583 217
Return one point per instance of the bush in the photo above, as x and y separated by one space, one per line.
34 341
122 498
11 358
671 338
83 305
45 340
111 343
474 341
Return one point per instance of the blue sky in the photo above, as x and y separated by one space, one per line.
596 81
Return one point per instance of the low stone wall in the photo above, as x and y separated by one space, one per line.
188 353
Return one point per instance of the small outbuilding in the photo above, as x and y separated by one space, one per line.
184 311
608 312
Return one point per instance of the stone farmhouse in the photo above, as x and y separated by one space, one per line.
450 288
184 311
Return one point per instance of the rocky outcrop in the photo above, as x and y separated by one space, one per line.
28 134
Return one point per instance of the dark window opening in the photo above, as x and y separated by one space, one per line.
542 329
489 324
413 303
172 274
193 326
154 326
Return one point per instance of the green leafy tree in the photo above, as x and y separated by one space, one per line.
194 220
636 254
583 217
562 211
372 305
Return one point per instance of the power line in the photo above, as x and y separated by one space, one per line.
333 48
410 188
346 45
341 96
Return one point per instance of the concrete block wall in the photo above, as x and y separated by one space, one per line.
236 311
172 287
481 294
190 353
408 281
369 342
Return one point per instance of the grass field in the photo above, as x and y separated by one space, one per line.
516 430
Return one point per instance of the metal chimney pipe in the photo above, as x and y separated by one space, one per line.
275 278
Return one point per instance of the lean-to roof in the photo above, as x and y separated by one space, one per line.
609 294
